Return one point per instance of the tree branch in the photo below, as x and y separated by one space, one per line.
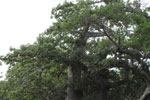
96 34
105 32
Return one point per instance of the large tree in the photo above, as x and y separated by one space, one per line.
103 46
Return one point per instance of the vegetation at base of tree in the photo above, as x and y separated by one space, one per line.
96 50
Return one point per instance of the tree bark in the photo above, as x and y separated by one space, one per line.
101 94
74 91
146 94
74 77
102 85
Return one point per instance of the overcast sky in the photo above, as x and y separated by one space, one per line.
21 21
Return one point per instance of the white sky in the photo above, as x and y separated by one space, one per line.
21 21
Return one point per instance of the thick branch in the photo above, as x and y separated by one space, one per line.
133 53
47 66
146 94
109 37
96 34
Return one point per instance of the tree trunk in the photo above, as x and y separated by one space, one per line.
74 77
74 91
101 94
102 87
146 94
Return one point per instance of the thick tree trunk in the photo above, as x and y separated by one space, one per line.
101 94
102 82
74 77
102 86
74 91
146 94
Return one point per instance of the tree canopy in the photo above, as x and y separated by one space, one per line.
96 50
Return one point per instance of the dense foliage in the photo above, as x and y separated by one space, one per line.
96 50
